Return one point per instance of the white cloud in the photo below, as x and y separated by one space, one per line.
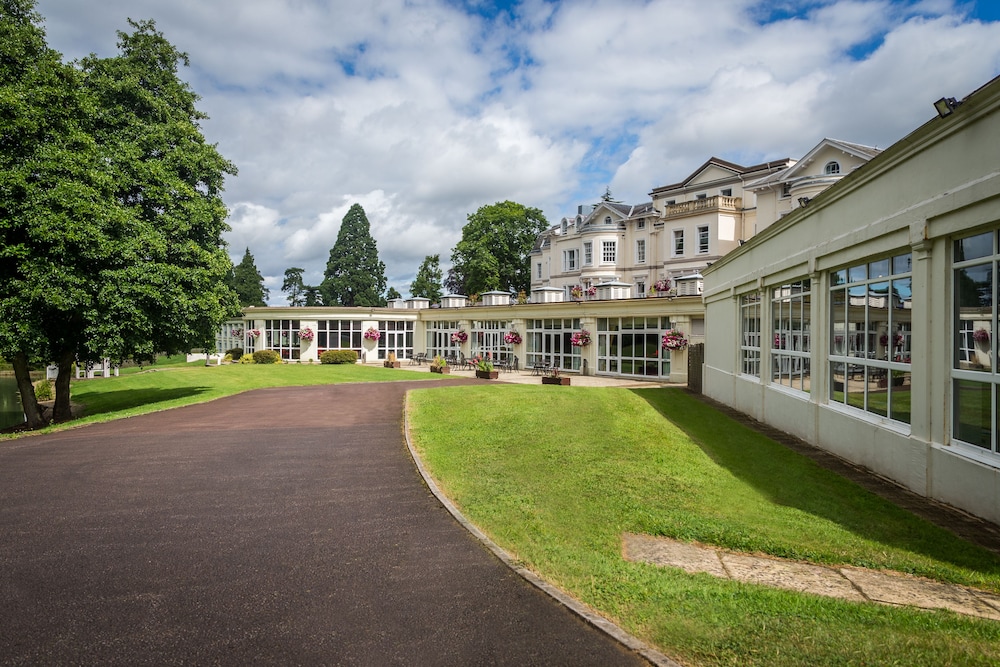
423 113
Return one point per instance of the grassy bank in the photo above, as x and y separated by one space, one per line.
172 382
556 478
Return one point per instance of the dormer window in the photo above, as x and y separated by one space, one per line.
786 190
565 226
832 167
607 220
701 196
728 192
640 223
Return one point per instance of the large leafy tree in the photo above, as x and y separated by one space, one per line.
52 198
249 283
112 217
354 276
294 287
493 252
427 283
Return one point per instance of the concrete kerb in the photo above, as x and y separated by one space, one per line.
582 610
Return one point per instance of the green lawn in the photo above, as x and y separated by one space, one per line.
555 477
172 382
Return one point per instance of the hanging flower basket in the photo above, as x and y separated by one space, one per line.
662 285
237 333
592 291
674 339
459 337
254 333
371 333
576 292
580 338
307 334
512 337
981 336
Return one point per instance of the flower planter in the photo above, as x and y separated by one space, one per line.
391 364
548 379
487 375
444 370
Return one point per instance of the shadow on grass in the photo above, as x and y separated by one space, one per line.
790 479
126 399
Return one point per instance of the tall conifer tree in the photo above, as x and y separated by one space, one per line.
354 276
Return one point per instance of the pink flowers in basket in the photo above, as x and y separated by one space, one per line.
674 339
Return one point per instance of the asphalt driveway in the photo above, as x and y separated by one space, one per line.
281 526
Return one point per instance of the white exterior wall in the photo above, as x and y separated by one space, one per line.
940 183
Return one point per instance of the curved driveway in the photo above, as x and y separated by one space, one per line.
280 526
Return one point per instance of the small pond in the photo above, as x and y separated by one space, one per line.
10 403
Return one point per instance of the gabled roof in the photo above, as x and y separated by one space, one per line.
732 167
860 151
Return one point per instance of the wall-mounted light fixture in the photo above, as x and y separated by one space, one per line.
945 106
804 201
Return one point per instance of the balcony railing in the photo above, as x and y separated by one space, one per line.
717 203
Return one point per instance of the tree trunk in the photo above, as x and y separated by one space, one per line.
32 411
62 412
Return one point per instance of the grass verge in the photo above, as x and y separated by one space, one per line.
555 478
172 383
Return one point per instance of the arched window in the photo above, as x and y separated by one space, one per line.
832 168
607 220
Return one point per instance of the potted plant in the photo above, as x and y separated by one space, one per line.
440 365
484 369
580 338
459 337
554 377
391 362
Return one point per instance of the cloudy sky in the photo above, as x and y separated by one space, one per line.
424 110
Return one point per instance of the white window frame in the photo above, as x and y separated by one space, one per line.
832 168
609 252
975 367
704 240
569 260
640 251
677 249
640 223
864 354
751 311
791 320
588 253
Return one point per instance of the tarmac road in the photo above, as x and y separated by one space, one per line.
280 526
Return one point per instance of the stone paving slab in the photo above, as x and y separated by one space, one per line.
801 577
847 583
899 589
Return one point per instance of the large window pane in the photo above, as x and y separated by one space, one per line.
973 416
974 321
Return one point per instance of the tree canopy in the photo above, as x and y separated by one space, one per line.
427 283
493 252
294 287
110 208
354 276
249 283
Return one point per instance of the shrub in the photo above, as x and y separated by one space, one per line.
235 353
246 359
266 357
227 359
43 390
338 357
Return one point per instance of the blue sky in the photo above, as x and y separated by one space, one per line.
425 110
